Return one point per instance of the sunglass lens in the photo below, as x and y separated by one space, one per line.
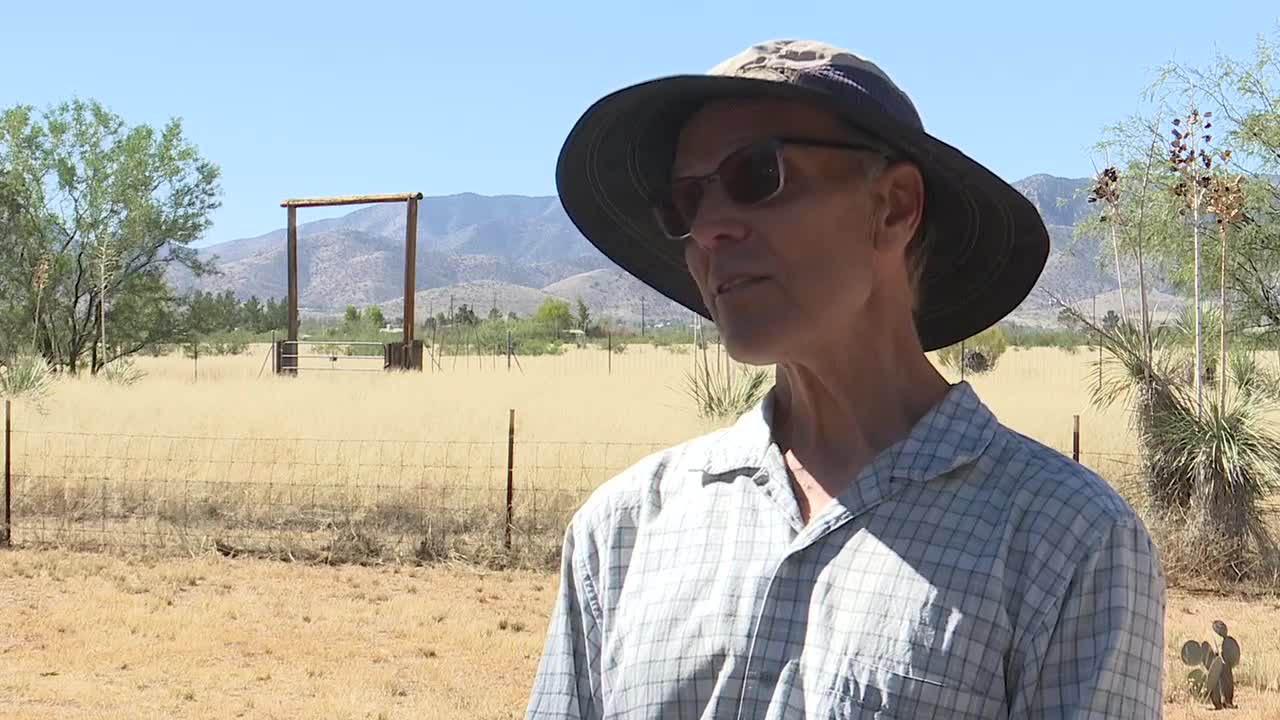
676 213
752 175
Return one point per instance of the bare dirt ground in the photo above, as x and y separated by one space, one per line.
105 636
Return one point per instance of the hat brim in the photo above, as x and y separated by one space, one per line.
990 244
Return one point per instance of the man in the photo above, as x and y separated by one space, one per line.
869 541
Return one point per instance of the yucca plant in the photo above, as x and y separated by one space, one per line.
1206 468
122 371
720 391
27 377
1232 459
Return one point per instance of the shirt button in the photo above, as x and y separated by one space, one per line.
762 479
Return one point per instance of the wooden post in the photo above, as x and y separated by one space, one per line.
410 269
8 473
292 363
1075 438
195 361
275 350
511 486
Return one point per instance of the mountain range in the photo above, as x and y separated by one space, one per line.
512 252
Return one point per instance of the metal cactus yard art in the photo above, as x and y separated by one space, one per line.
1213 678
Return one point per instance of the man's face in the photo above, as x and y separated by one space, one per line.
784 277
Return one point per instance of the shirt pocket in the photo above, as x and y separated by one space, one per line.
871 690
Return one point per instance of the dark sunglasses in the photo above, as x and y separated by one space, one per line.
750 175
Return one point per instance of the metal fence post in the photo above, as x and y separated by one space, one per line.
511 487
1075 438
8 473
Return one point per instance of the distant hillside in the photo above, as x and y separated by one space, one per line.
479 295
617 294
523 249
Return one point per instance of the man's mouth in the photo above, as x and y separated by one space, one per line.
737 283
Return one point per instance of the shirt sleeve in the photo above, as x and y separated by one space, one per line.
1102 654
567 683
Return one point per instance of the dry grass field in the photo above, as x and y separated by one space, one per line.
108 637
573 397
223 444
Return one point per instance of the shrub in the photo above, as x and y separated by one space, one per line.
1206 474
27 377
981 352
121 372
535 346
723 392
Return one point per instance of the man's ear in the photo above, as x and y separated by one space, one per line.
901 197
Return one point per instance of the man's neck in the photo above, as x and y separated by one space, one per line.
836 412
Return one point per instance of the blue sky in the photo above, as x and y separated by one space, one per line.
316 98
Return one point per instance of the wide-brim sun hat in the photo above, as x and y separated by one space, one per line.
989 244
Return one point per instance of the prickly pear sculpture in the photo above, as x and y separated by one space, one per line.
1213 677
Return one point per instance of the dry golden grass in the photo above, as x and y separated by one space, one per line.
557 398
123 636
220 450
104 636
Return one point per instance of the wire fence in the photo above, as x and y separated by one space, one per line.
504 501
305 498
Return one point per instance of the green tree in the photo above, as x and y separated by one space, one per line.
554 315
228 311
20 291
1244 96
352 316
464 315
200 313
584 315
251 315
374 316
276 315
109 207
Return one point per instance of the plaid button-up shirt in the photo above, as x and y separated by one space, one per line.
967 573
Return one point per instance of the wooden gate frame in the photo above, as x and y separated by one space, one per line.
410 260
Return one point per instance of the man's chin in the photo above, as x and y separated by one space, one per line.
751 344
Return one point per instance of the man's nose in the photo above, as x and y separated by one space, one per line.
718 220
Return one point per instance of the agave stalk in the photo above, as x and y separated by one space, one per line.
1115 244
1226 201
106 257
1138 243
1186 158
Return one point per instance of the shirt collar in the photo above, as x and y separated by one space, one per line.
955 432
